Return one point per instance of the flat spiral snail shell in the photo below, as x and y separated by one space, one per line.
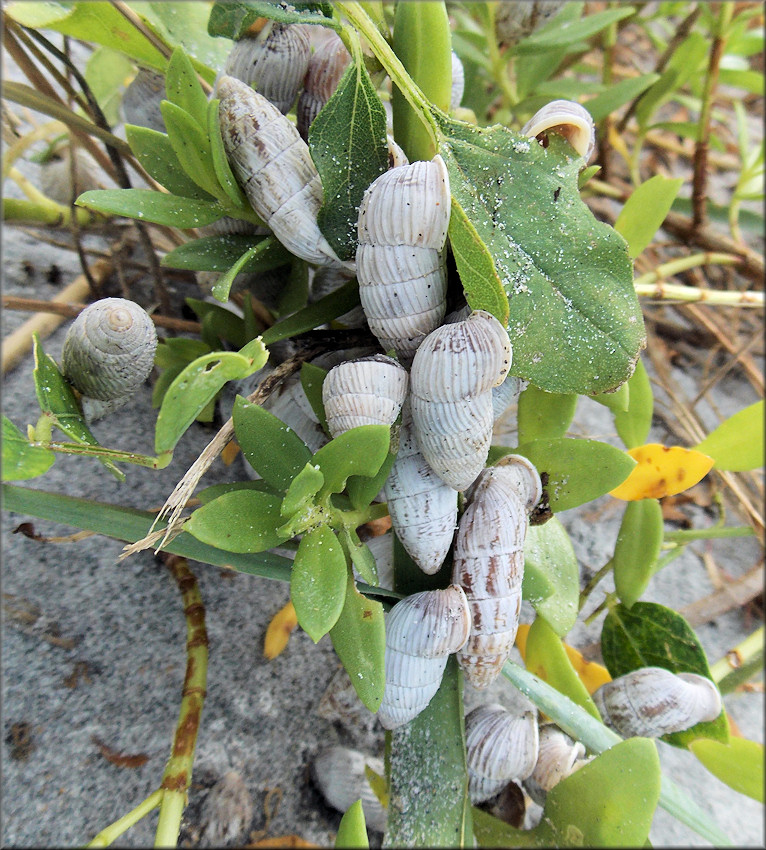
109 349
568 119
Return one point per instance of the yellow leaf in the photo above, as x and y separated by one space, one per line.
591 674
662 471
229 452
279 631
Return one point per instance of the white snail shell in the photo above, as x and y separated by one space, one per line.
142 98
289 404
423 508
515 19
396 156
403 220
323 281
421 631
489 563
458 81
109 349
228 226
325 68
274 62
367 391
56 174
568 119
274 167
452 376
651 702
557 757
500 746
339 774
505 394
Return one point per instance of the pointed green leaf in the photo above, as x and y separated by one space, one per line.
737 443
240 521
233 18
362 490
295 291
184 89
215 490
618 94
571 332
645 210
549 36
312 378
20 460
617 401
318 582
218 324
650 635
360 451
347 141
192 147
352 831
220 253
633 424
306 484
147 205
360 555
543 415
637 549
267 253
359 638
272 448
739 763
223 171
155 153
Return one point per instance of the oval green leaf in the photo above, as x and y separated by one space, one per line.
155 153
633 424
739 763
360 451
192 147
543 415
233 18
20 460
617 401
645 210
306 484
312 378
737 444
223 171
184 89
147 205
637 549
219 253
243 521
352 831
318 582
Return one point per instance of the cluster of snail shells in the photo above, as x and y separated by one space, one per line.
108 353
652 701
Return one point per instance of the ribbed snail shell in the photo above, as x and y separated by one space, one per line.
423 508
489 563
289 403
325 68
504 395
451 380
274 167
228 226
568 119
556 758
421 631
403 220
500 746
339 774
274 62
109 349
368 391
142 98
651 702
458 81
515 19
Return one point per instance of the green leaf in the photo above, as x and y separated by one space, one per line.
650 635
197 384
363 489
434 812
178 351
318 582
549 559
360 555
272 448
546 657
20 460
192 147
543 415
302 490
268 253
223 171
295 291
562 36
578 470
352 830
618 95
215 490
312 378
183 88
571 333
481 282
359 639
219 253
750 81
240 521
105 73
218 324
233 19
633 425
645 210
155 153
637 549
360 451
737 443
347 141
617 401
147 205
739 763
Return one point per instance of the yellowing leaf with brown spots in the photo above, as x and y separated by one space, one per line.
279 631
662 471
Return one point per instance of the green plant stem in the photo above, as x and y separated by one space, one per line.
15 150
103 453
33 214
123 824
353 519
595 579
678 292
739 664
673 267
714 533
502 70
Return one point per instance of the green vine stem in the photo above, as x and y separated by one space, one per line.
740 663
687 535
679 292
121 825
103 453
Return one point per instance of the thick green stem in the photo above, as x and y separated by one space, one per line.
104 454
690 534
123 824
740 663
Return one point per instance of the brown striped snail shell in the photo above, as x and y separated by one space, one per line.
403 220
274 167
422 630
651 702
558 757
500 746
325 68
452 376
109 350
423 508
339 773
367 391
568 119
515 19
273 62
489 563
142 98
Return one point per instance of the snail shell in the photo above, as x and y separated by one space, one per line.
274 62
339 774
452 375
275 169
567 119
228 226
396 156
651 702
423 508
109 349
368 391
56 174
515 19
289 403
458 81
500 747
325 68
142 98
403 220
505 394
227 811
325 280
557 757
421 631
489 563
